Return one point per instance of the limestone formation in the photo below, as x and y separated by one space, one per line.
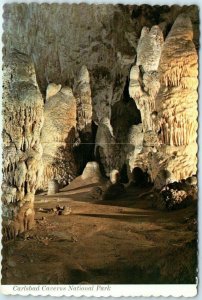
58 136
53 187
22 150
144 82
92 170
114 176
175 198
52 90
84 121
134 147
105 145
170 121
177 113
143 88
82 92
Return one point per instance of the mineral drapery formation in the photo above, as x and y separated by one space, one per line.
58 135
22 150
177 113
168 103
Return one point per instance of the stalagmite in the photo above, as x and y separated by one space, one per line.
58 137
92 170
114 176
176 102
144 81
105 145
53 187
143 88
22 123
82 92
134 147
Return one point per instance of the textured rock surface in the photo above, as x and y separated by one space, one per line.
22 150
101 37
178 110
84 108
53 187
58 136
82 91
168 104
143 88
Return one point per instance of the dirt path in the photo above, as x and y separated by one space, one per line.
124 241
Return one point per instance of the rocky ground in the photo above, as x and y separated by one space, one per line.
109 242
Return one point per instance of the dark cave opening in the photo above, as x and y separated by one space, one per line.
140 178
84 152
124 114
124 174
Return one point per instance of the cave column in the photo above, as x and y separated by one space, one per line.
22 150
176 102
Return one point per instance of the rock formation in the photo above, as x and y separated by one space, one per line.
82 91
22 150
170 120
177 113
91 171
58 135
84 143
53 187
143 88
105 144
113 188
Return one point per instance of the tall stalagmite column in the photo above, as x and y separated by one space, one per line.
84 110
58 135
22 151
176 102
143 88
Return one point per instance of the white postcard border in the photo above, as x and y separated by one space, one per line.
98 290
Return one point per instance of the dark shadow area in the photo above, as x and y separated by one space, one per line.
157 271
125 218
124 114
98 154
123 174
84 152
79 188
140 178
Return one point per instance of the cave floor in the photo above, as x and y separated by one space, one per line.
120 241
